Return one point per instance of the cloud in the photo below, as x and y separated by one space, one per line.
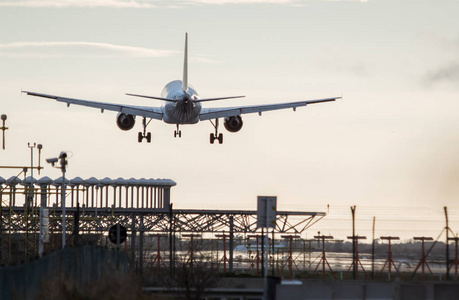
70 49
147 3
78 3
447 74
280 2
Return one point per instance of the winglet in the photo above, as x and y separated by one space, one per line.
185 66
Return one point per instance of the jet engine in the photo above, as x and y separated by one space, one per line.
125 121
233 124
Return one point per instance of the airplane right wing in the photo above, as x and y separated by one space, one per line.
144 111
224 112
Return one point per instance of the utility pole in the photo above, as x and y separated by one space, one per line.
231 243
263 252
373 251
447 243
354 259
171 241
63 161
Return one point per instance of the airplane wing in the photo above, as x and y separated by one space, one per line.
144 111
224 112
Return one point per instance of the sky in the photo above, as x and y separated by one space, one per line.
390 147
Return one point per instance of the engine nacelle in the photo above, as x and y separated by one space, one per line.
125 121
233 124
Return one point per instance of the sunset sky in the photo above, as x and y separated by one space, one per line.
391 146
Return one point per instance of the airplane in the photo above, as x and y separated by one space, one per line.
182 105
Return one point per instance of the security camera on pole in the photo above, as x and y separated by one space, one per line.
63 161
266 218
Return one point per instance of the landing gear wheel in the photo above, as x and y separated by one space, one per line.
178 132
216 136
144 134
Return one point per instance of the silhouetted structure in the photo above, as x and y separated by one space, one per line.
290 260
455 262
356 260
423 262
389 262
323 259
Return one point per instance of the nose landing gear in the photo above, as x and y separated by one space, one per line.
216 135
178 132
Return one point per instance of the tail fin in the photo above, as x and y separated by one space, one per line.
185 66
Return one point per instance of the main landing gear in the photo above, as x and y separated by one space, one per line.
177 132
144 134
216 136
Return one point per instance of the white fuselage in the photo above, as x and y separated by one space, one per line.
185 111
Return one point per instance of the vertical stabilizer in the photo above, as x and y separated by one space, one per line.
185 66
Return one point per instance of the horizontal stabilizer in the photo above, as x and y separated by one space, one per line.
151 97
215 99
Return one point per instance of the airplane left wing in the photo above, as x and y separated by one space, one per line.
224 112
144 111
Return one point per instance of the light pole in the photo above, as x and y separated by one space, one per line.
30 194
39 147
63 161
31 159
3 128
40 237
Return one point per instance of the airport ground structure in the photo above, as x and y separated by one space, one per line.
142 206
164 245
